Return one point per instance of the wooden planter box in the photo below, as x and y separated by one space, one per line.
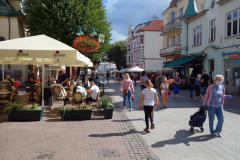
76 115
108 112
26 115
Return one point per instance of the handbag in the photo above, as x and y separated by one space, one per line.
169 93
125 91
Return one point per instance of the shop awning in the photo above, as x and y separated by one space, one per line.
179 62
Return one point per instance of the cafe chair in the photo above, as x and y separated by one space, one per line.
39 93
71 87
4 97
56 90
77 98
97 102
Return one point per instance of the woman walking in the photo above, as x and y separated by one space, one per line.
177 81
128 90
214 100
165 91
148 96
191 84
198 85
143 78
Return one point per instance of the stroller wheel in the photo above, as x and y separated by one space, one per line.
192 129
202 129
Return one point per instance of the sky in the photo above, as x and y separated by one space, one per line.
123 13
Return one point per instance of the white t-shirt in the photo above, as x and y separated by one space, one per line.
94 91
149 97
166 86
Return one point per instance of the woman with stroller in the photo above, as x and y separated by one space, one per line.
165 91
147 99
214 100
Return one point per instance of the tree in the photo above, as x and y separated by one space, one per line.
117 54
58 18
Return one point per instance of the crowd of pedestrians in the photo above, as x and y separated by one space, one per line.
213 95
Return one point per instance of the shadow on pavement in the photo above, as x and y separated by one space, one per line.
182 136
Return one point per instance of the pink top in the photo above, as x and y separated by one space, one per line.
127 84
208 96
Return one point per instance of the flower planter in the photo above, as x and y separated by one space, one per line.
76 115
108 112
26 115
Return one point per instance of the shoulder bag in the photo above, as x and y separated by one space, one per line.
169 93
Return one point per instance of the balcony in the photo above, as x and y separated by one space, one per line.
171 27
175 49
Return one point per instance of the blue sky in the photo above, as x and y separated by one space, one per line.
123 13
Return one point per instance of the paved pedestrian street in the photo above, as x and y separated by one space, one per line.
172 139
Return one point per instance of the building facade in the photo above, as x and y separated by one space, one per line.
211 38
103 67
143 44
11 27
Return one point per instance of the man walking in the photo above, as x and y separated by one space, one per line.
159 80
63 78
205 79
33 79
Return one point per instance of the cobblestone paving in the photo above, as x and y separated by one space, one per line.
136 145
171 138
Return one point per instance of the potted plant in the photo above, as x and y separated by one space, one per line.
21 112
76 112
107 106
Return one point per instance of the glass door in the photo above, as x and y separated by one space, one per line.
234 81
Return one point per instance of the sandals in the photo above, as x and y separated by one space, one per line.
164 107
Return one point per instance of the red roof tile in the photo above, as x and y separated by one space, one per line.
154 25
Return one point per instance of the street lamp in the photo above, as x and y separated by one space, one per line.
80 31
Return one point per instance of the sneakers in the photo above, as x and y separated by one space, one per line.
147 130
214 135
130 109
124 107
152 125
219 134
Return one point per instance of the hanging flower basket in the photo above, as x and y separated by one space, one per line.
85 44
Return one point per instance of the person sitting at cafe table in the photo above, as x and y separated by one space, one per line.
93 91
8 78
79 88
63 78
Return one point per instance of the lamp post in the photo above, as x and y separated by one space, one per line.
80 31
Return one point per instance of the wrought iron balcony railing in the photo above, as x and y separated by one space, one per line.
176 23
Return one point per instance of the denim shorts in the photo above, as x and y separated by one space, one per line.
203 90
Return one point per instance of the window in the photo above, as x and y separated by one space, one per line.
174 40
197 36
129 58
168 42
141 39
135 44
173 18
141 53
180 14
180 39
212 30
212 4
233 23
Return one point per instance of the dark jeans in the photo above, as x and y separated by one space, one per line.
89 99
148 114
191 87
143 87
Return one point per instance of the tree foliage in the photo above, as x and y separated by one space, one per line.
117 54
58 18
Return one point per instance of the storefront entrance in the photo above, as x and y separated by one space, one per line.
232 76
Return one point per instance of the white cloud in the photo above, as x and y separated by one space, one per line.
123 13
117 36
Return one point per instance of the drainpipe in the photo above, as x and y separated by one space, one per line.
187 40
9 29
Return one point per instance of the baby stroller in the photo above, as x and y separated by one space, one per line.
198 119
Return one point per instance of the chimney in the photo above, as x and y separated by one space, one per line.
155 18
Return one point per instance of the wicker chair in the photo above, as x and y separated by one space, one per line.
56 92
77 98
71 87
39 93
4 99
97 102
